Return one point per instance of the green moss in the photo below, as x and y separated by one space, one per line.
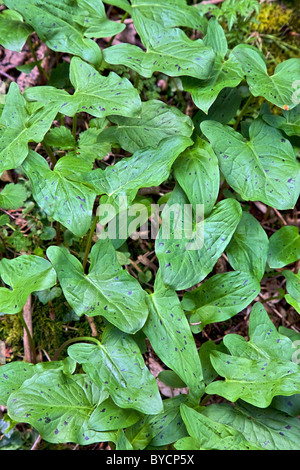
272 17
52 326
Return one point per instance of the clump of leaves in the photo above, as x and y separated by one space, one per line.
225 156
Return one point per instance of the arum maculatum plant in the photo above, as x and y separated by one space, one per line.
219 160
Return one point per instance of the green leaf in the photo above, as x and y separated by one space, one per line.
248 249
68 202
146 168
186 260
60 138
13 196
168 51
118 366
170 336
107 290
91 16
122 442
278 89
289 405
94 94
289 122
225 74
48 295
109 417
66 27
13 31
222 110
262 169
123 4
170 13
4 219
197 172
89 146
38 273
156 122
14 374
212 435
269 429
284 247
58 406
216 38
209 373
293 288
18 126
160 429
171 379
220 297
258 369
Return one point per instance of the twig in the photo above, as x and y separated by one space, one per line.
36 443
89 242
40 68
7 76
279 216
243 112
73 340
26 320
122 21
49 153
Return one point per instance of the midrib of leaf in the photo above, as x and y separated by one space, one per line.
260 351
87 278
64 181
286 246
66 23
90 93
261 168
151 5
118 373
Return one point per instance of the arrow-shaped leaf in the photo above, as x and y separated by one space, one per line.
156 122
68 202
18 126
168 51
94 94
186 259
59 407
259 369
38 273
263 168
170 336
107 290
118 366
278 88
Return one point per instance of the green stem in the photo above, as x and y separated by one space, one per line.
49 153
41 70
32 345
263 301
74 126
136 81
205 400
89 242
122 21
243 112
74 340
